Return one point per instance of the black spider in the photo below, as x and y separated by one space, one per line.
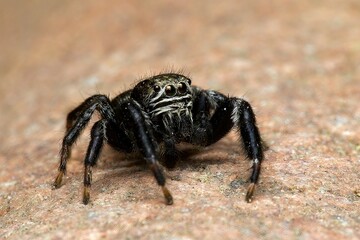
163 109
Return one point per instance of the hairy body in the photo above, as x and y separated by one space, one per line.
166 109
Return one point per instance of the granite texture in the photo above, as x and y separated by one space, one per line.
297 62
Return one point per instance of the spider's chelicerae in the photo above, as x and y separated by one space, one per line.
163 109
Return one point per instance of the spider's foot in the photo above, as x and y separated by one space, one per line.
167 195
58 180
250 193
86 195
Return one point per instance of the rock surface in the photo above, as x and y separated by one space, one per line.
297 62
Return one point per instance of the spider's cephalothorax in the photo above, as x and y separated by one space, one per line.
163 109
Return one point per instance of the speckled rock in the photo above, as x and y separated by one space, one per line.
297 63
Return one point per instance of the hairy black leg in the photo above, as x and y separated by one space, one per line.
228 112
171 154
244 118
81 115
135 120
92 155
105 109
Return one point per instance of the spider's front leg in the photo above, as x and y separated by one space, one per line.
244 119
228 112
135 121
171 154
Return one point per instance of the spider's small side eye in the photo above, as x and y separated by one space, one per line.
170 90
157 88
182 88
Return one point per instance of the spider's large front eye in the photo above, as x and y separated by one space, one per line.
182 88
157 88
170 90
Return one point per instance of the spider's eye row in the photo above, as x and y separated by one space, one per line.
182 88
157 88
170 90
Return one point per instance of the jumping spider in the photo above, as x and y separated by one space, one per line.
163 109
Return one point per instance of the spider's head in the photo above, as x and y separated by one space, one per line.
163 90
167 98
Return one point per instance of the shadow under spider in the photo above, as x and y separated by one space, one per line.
114 163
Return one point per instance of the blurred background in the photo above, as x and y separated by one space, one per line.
297 62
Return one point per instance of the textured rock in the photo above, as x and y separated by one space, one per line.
297 63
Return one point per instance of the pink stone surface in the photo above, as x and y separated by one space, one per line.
297 62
